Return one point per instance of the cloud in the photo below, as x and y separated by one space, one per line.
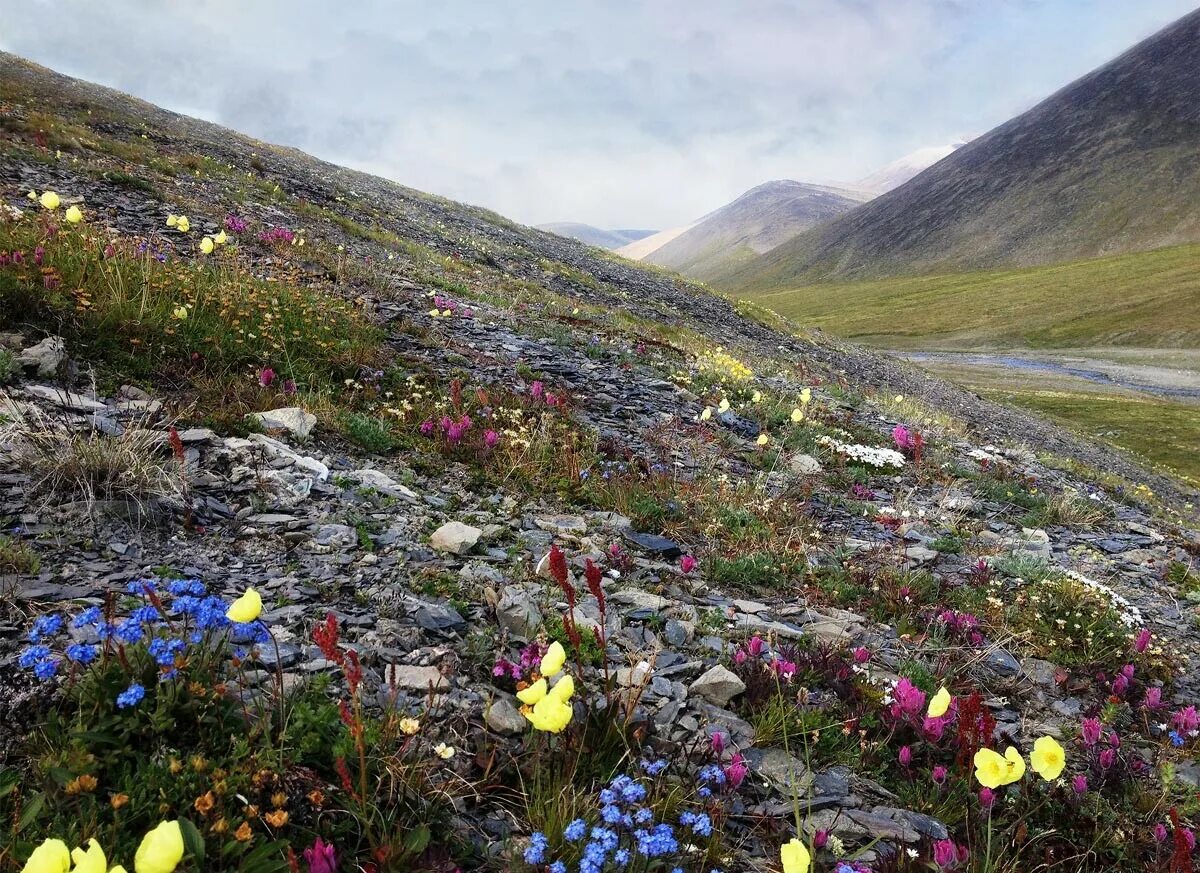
615 112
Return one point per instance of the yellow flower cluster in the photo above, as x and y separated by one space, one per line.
180 222
51 201
993 769
721 364
549 709
160 851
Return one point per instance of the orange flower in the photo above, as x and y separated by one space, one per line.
242 834
276 819
119 800
204 803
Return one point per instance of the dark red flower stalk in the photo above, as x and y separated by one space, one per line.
561 575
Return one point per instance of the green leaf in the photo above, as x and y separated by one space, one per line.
416 841
32 810
193 843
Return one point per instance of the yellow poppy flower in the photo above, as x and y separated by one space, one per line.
550 715
554 659
179 313
756 397
443 751
49 200
531 695
74 214
161 849
797 415
32 195
90 861
993 769
939 703
805 396
446 313
172 220
706 414
563 689
795 857
207 245
183 225
434 313
763 439
50 857
724 405
409 726
246 608
221 238
1048 758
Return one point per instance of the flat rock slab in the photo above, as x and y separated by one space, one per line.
455 538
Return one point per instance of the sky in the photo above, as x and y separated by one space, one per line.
618 113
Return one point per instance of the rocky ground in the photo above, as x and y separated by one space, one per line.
433 569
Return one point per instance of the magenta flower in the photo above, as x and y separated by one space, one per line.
717 739
820 838
755 645
687 563
1107 758
39 255
902 437
905 756
948 855
266 377
1142 641
1090 730
1186 720
491 439
289 387
736 771
235 225
1079 784
1153 698
1160 833
427 427
537 390
321 857
862 655
939 775
986 797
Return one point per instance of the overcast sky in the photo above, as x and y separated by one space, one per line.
619 113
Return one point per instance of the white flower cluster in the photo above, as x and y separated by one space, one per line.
865 454
1130 614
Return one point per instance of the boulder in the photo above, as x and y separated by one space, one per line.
719 685
455 537
293 419
44 358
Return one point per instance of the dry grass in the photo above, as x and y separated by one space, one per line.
135 467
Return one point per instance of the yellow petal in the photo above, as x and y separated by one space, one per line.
534 693
172 220
183 225
221 238
90 861
74 214
32 195
161 850
990 768
246 608
563 689
1048 758
706 414
49 200
797 414
723 406
795 857
554 659
550 715
1015 766
806 396
207 245
763 439
50 857
939 703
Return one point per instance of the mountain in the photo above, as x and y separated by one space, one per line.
1108 164
899 171
595 236
755 222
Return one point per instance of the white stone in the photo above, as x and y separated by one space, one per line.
293 419
455 537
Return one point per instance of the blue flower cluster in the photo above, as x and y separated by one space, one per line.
626 833
173 615
709 776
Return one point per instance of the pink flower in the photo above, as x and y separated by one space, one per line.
321 857
736 771
902 436
755 645
537 390
947 854
1090 730
1153 698
427 427
1143 641
491 439
1079 784
687 563
986 797
739 657
289 387
862 655
266 377
939 775
1186 720
39 255
1160 833
820 838
905 756
1107 758
717 739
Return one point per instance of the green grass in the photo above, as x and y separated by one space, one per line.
1143 299
1162 432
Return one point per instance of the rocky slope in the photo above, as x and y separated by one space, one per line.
1104 166
637 419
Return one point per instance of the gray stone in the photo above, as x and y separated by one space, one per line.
517 612
782 771
718 685
804 465
293 419
438 617
45 357
382 483
504 718
561 524
654 543
65 399
455 537
414 678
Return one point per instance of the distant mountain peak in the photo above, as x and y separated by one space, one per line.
899 171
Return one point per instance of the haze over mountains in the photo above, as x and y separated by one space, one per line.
1106 165
717 244
595 236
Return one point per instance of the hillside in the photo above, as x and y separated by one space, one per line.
755 222
1104 166
343 526
1149 299
595 236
